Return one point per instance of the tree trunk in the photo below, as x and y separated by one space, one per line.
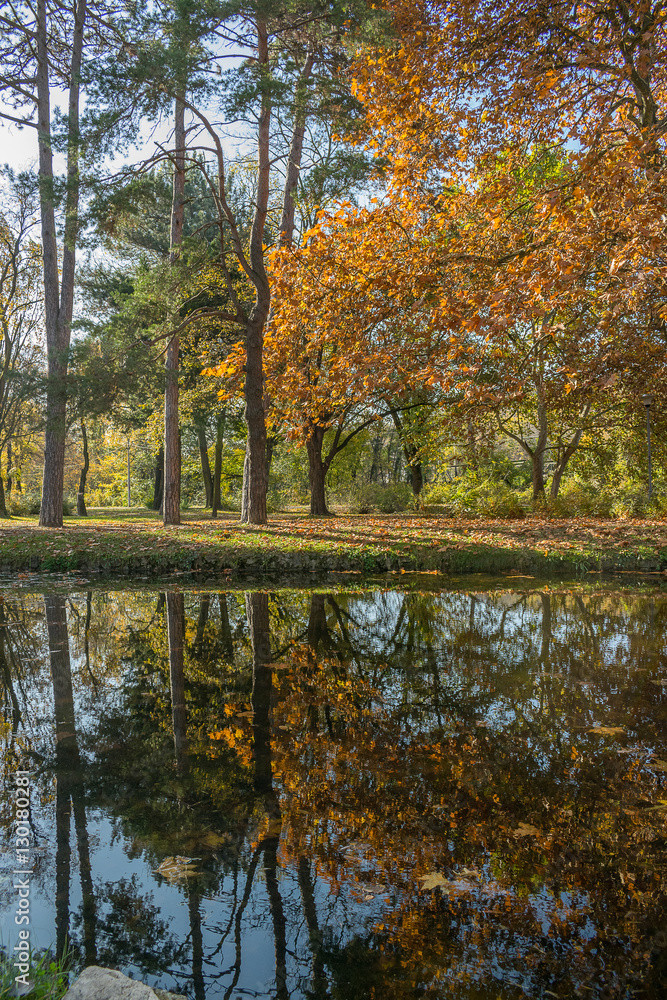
257 613
58 305
9 468
217 464
66 754
537 462
410 452
253 510
158 488
567 454
318 989
205 464
376 463
318 626
416 478
537 458
226 638
295 154
317 471
270 449
176 638
3 503
171 506
81 495
202 619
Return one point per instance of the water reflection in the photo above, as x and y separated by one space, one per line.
346 795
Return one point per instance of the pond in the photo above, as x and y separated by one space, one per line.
346 794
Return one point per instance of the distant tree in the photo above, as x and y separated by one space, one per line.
21 311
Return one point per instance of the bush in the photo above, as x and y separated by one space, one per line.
29 502
624 497
389 498
472 495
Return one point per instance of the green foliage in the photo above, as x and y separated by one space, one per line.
49 976
29 502
473 495
383 498
616 497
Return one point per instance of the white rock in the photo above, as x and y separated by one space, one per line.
96 983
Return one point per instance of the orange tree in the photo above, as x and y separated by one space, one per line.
520 248
340 353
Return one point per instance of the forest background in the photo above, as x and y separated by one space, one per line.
384 258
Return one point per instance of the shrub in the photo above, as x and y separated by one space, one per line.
622 497
383 498
29 502
472 495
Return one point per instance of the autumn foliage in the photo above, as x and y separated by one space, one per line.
515 258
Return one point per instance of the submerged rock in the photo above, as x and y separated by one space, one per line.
96 983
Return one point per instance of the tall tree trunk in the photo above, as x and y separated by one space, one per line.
158 488
253 510
66 755
416 478
171 506
317 471
318 989
58 304
217 463
318 636
3 503
81 495
537 473
10 468
537 457
197 938
7 669
295 153
176 639
257 613
226 637
270 449
202 618
205 464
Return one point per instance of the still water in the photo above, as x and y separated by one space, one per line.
347 795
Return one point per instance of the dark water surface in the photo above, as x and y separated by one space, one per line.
388 794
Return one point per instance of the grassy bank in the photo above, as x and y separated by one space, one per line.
136 544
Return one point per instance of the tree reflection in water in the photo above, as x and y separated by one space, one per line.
394 793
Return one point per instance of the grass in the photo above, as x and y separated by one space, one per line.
48 977
125 542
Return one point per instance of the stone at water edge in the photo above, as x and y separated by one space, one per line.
96 983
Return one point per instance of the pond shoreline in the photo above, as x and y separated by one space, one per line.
141 547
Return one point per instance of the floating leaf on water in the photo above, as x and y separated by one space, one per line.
177 867
433 880
607 730
526 830
658 765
